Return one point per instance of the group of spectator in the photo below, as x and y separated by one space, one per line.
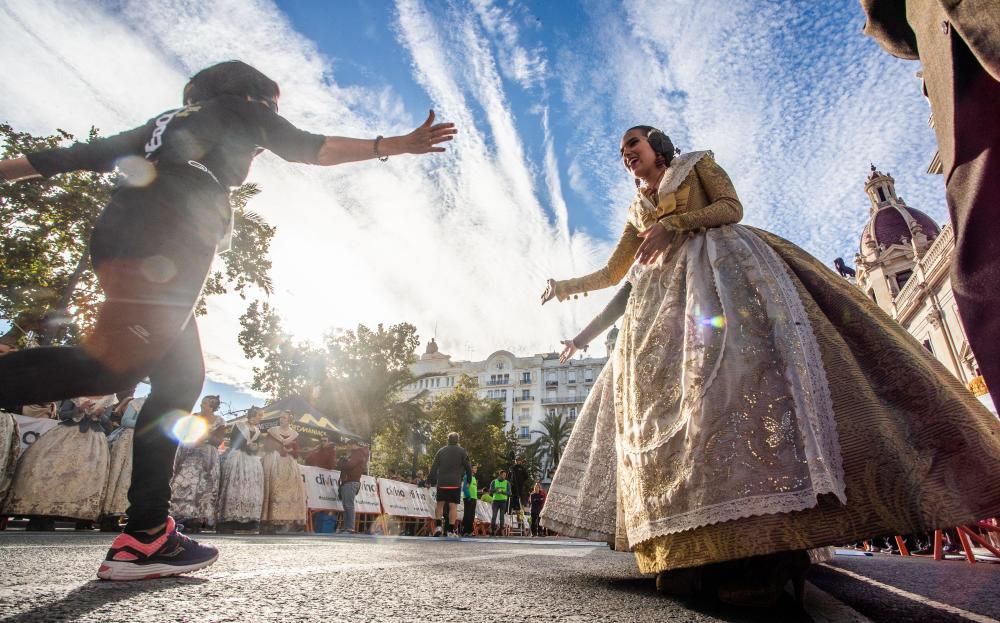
456 479
80 469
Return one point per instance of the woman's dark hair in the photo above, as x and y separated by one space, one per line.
660 142
229 78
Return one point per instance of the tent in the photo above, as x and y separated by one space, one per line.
306 419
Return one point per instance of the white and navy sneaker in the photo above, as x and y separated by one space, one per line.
170 553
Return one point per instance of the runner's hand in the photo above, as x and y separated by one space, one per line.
427 137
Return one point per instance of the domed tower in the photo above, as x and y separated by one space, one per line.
609 341
893 239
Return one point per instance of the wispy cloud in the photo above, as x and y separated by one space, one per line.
791 97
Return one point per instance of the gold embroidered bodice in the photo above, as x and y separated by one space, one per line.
704 197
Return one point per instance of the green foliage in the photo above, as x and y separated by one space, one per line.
48 285
554 435
478 421
44 228
355 375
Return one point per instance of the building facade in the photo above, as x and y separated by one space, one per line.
529 387
903 264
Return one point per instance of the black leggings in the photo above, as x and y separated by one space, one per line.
151 259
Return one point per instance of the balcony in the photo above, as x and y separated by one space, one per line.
551 383
523 398
499 382
525 381
565 400
571 381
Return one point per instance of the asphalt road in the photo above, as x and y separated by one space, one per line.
50 577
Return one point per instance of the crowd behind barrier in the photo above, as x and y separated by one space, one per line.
382 505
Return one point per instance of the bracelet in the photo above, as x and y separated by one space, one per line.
380 157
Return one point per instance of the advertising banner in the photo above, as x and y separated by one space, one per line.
31 428
401 499
322 491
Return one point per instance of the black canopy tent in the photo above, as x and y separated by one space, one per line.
306 419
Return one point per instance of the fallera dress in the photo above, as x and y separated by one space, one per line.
756 402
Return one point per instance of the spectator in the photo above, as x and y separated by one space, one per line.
284 491
470 490
65 472
241 489
959 51
195 485
519 488
352 468
537 500
324 456
500 489
451 464
120 471
420 479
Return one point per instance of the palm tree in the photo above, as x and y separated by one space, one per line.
552 441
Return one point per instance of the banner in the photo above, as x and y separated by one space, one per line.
401 499
31 428
323 491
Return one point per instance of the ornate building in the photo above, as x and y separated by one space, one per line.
529 387
903 264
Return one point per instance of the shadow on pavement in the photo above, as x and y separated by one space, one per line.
95 594
786 610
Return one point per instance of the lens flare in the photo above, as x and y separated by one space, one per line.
716 322
189 429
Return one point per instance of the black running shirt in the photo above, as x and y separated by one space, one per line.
224 134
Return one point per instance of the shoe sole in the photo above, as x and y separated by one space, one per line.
115 570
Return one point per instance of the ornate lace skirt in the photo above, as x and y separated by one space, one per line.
284 490
195 486
62 474
9 449
241 493
756 402
119 473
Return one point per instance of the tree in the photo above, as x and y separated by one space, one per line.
356 374
48 284
479 423
555 434
44 228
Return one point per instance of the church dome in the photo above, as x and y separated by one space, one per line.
889 226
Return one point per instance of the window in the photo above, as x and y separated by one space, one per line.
572 413
552 412
588 375
871 295
927 344
881 194
571 376
525 394
902 278
526 377
499 365
525 433
503 395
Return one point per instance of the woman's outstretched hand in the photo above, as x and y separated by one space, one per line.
426 138
655 241
550 291
569 349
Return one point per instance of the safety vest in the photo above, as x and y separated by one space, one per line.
473 489
500 489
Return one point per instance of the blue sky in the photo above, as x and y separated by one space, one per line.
792 98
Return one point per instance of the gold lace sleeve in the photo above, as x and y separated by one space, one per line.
613 272
724 207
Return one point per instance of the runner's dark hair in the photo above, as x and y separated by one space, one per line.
229 78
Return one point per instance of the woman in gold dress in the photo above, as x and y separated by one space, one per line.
284 489
756 405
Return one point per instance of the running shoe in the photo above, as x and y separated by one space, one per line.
171 553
